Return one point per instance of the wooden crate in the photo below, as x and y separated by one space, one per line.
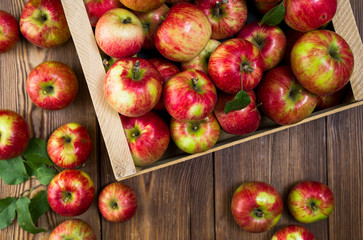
109 121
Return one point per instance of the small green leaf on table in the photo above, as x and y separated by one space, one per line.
7 211
36 152
45 175
38 205
24 217
240 101
274 16
13 171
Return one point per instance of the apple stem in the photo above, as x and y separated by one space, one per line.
126 20
258 213
259 105
195 82
67 198
295 92
216 9
136 70
313 206
114 205
246 68
106 63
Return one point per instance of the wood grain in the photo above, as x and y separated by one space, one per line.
90 58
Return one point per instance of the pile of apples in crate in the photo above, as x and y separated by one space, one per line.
212 71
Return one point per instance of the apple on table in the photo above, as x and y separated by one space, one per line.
9 31
293 232
73 229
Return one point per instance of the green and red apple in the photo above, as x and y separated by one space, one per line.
73 229
293 232
96 8
264 6
142 5
9 31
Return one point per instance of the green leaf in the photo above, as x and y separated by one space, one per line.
38 205
240 101
37 152
13 171
7 211
45 175
274 16
24 217
31 168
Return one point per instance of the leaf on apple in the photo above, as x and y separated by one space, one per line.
38 205
274 16
24 217
13 171
36 152
240 101
45 175
7 211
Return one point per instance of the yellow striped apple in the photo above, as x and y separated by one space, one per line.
119 33
195 136
44 24
322 61
150 22
270 40
189 95
70 145
166 70
227 17
283 98
307 15
293 232
310 201
96 8
133 86
238 122
117 202
263 6
73 229
256 206
232 60
71 192
184 33
9 31
142 5
200 62
148 137
14 134
52 85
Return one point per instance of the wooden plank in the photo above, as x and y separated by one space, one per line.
345 172
173 203
14 68
90 58
345 24
281 159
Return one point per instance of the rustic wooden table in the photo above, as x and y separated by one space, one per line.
191 200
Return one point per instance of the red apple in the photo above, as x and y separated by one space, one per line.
184 33
70 145
306 16
119 33
52 85
328 101
189 95
200 62
117 202
232 60
240 122
44 24
263 6
283 98
9 31
256 206
166 70
150 22
195 136
291 38
71 192
322 61
133 86
293 232
270 40
142 5
227 17
310 201
96 8
172 2
73 229
148 137
14 134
